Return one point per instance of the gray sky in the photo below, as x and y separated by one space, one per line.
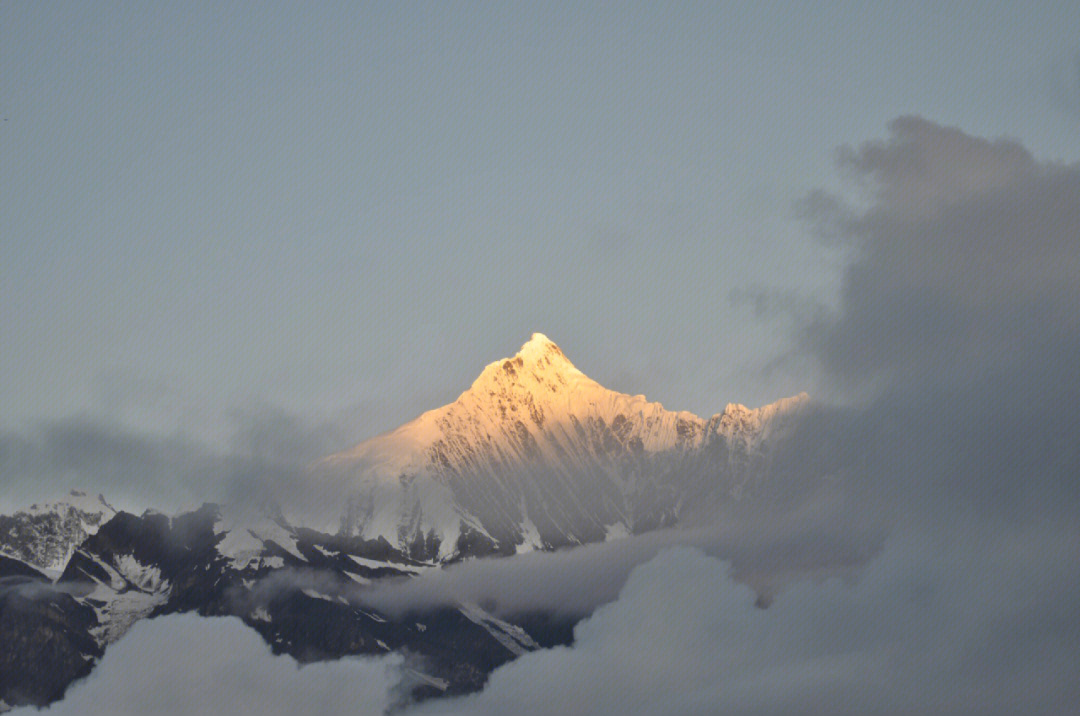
347 210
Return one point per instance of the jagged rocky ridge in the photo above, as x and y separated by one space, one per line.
534 455
297 588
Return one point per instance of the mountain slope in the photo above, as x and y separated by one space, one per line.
536 455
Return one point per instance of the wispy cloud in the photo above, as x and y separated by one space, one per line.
264 457
768 548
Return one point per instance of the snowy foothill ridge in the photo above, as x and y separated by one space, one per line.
77 500
45 535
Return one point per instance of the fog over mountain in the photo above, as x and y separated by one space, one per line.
910 547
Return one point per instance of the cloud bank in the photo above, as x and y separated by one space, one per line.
131 469
966 257
186 664
909 637
956 339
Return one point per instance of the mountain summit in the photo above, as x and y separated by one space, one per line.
536 455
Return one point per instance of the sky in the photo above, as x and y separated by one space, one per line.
257 232
342 213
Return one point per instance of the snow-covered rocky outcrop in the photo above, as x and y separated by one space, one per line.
45 535
536 455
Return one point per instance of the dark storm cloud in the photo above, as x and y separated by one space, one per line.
966 253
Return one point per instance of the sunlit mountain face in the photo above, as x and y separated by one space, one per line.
534 456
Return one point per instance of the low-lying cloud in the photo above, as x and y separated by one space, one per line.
974 631
186 664
130 468
768 549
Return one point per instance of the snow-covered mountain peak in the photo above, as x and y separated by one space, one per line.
539 364
739 418
78 501
535 454
538 343
536 382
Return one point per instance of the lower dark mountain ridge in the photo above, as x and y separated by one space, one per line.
299 596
